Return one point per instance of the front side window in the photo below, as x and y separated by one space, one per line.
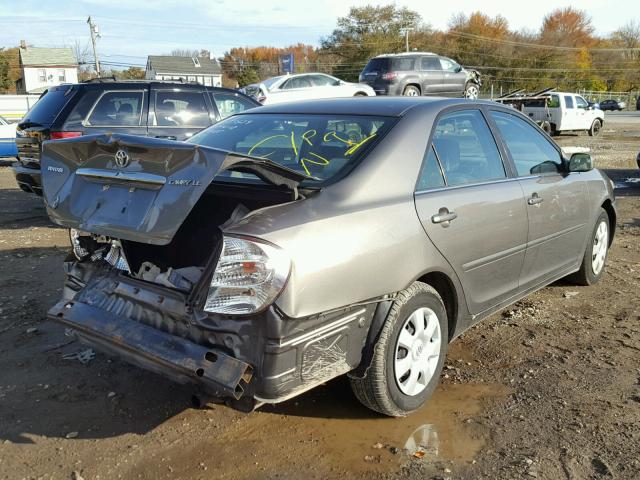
581 103
568 101
532 153
448 65
117 109
181 109
322 80
321 146
466 149
229 104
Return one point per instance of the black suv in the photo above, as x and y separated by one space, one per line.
420 73
171 110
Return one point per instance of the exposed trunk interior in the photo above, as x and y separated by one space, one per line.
199 235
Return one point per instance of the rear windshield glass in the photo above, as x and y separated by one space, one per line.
321 146
46 109
377 65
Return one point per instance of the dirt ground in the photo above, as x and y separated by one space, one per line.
548 388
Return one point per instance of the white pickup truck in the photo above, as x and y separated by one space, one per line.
564 112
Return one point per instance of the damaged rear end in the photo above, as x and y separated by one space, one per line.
152 278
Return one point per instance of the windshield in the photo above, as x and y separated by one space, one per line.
320 146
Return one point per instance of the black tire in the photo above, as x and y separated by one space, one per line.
586 275
360 94
595 128
379 390
411 91
471 90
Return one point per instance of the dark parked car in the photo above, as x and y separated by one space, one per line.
420 73
172 110
612 105
297 242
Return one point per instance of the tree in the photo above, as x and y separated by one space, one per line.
567 27
131 73
247 76
366 32
5 80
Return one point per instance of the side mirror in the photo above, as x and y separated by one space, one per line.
458 69
337 83
580 162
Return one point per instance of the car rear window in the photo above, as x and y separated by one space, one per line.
377 65
47 108
321 146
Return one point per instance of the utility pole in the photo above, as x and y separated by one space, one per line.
93 29
406 37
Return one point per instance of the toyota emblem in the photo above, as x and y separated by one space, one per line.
122 158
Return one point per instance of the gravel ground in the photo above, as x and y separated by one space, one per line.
548 388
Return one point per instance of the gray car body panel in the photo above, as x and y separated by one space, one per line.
145 200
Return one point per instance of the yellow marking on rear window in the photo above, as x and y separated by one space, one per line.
359 144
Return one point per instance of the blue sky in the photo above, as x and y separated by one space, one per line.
132 30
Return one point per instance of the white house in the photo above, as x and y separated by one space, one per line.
203 70
45 67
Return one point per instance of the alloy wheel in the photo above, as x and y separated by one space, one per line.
599 250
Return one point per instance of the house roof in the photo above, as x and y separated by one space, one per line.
47 56
172 64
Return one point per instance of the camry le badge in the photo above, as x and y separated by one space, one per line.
122 158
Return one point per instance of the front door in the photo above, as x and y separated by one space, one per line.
178 113
471 211
556 202
454 78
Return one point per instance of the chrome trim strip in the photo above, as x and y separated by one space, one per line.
119 176
466 185
554 235
324 329
494 257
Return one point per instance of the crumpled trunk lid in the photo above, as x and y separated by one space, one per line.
137 188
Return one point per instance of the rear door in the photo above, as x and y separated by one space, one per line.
110 110
569 113
178 113
471 210
556 202
431 75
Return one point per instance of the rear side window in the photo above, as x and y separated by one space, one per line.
532 153
181 109
568 101
466 149
403 64
298 82
47 108
115 109
554 102
229 104
430 63
431 174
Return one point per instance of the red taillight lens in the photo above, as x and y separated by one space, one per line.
389 75
58 135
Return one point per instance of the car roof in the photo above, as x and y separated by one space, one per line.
378 106
404 54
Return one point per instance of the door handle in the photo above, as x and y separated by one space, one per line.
167 137
444 217
535 199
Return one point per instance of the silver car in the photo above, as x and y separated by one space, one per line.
288 245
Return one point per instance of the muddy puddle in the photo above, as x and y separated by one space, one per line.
326 433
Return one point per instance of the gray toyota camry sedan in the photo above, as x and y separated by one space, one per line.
291 244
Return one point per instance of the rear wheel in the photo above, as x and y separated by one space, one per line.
595 128
411 91
471 90
595 256
408 357
360 94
